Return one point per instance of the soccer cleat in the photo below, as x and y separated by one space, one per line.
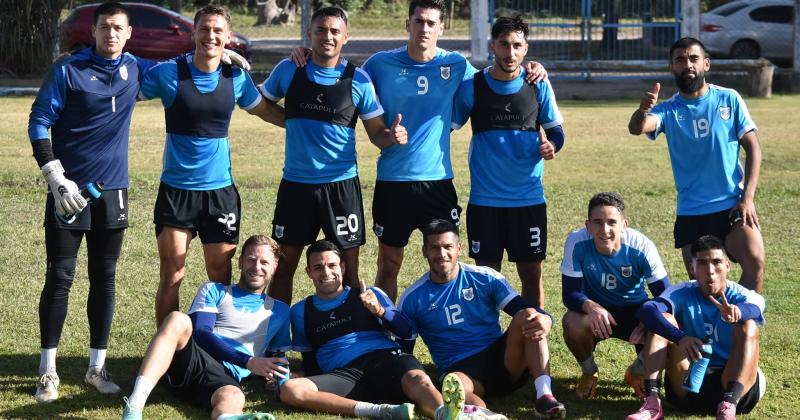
101 380
726 411
403 411
636 382
547 407
47 389
453 396
587 385
473 412
650 410
130 412
251 416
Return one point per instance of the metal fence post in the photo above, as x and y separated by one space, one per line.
479 30
690 18
304 22
796 58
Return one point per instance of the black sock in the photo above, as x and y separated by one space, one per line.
652 387
733 392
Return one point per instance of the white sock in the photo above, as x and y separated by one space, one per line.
542 385
47 361
224 416
588 366
97 358
365 409
141 390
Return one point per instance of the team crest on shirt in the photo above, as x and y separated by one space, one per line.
378 229
468 293
725 112
626 271
123 72
278 231
476 246
445 72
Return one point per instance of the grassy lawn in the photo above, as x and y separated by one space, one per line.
599 155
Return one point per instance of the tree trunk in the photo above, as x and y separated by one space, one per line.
288 11
29 35
176 5
266 12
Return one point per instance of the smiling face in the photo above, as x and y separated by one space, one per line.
325 269
711 267
424 28
442 252
606 225
257 264
689 67
328 35
210 34
111 32
509 50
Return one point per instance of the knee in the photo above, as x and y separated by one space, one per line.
230 395
61 270
522 315
177 324
748 331
417 378
292 392
574 324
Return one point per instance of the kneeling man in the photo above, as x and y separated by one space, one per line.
222 341
710 309
455 309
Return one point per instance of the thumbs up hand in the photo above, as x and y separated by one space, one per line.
546 149
397 131
649 99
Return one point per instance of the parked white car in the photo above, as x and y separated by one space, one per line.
750 29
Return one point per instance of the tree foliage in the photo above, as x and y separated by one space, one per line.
29 35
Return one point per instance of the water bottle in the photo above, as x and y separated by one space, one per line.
280 381
90 192
697 371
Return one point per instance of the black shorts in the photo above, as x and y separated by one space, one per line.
110 211
522 231
711 393
400 207
194 375
689 228
214 214
335 207
626 321
374 377
489 368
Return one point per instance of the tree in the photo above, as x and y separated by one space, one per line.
269 13
29 35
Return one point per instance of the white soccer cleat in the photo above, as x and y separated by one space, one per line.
101 380
47 389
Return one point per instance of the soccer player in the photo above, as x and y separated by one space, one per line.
455 309
349 362
320 188
709 309
86 102
197 194
224 340
507 207
605 268
705 126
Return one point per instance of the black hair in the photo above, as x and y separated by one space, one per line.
427 4
504 25
606 199
438 227
110 9
685 43
323 245
706 243
332 11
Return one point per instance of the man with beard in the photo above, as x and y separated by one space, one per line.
713 310
224 340
507 209
705 126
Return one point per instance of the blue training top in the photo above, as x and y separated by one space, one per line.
423 94
196 163
703 137
505 166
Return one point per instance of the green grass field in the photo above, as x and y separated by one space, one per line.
599 155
